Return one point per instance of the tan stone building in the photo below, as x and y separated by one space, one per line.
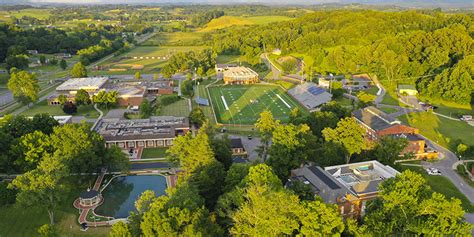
240 75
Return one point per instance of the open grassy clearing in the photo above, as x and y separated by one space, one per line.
444 186
227 21
25 221
157 152
228 58
175 39
179 108
143 58
242 104
388 110
441 130
32 12
55 110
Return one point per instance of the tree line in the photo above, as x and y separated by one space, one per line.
429 49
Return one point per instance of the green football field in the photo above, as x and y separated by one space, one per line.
242 104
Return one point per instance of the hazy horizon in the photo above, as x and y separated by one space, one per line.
406 3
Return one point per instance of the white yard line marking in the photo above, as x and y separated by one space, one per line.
284 102
225 103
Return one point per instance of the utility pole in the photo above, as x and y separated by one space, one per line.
330 83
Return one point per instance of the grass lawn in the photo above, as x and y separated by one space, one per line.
346 102
388 110
242 104
390 99
31 12
285 84
179 108
441 130
444 186
25 221
175 39
157 58
158 152
227 21
202 92
55 110
227 58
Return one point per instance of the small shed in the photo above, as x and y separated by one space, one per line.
407 89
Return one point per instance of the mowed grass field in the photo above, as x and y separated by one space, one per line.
227 21
157 57
31 12
175 39
242 104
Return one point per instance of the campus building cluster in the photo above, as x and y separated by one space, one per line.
349 186
130 93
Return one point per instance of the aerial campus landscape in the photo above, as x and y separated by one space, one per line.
235 118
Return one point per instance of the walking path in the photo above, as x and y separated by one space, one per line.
85 210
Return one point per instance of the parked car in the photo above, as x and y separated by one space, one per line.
433 171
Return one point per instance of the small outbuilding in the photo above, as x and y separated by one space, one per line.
90 198
407 90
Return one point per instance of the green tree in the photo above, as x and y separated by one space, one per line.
47 231
197 117
191 153
33 146
69 108
82 98
120 229
116 160
388 149
78 70
138 76
349 134
265 125
181 213
17 61
365 98
42 186
146 109
63 64
24 86
62 99
408 206
42 59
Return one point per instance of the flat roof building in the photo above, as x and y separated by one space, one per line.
89 84
349 186
310 95
159 131
240 75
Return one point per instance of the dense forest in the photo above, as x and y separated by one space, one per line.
432 49
91 42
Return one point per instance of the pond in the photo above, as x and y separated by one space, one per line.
121 193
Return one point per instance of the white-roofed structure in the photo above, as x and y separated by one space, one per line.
89 84
310 95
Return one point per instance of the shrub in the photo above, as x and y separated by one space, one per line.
69 108
169 99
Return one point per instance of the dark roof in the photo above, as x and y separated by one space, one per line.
89 194
410 137
202 101
324 184
374 118
236 143
239 159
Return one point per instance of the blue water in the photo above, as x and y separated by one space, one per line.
121 193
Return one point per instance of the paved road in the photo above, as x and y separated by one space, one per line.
150 165
446 167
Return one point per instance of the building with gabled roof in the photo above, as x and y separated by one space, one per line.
240 75
310 95
378 124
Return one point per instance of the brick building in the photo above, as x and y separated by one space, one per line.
157 131
349 186
378 124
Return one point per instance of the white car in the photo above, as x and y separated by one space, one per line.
433 171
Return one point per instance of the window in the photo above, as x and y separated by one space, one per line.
131 144
150 143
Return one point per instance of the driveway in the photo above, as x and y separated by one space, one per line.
116 113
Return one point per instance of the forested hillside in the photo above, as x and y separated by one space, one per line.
432 49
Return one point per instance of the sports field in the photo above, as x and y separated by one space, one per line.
242 104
